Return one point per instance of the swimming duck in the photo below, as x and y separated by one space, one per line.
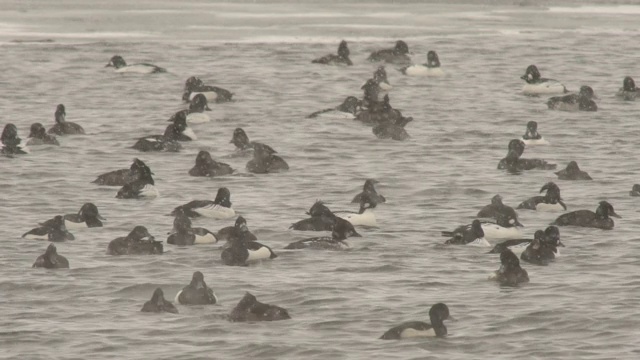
369 190
495 209
583 101
137 242
120 66
220 208
184 234
322 219
53 231
197 292
179 118
587 218
241 140
531 136
635 190
241 251
264 162
142 187
365 215
506 226
551 201
10 142
206 166
510 272
341 59
62 126
227 233
397 55
51 259
573 172
514 163
349 107
380 77
250 309
464 235
539 251
158 304
87 217
38 136
196 114
431 68
194 86
122 176
413 329
537 85
335 242
166 142
628 91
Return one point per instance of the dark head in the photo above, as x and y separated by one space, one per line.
380 75
176 129
605 210
192 83
401 48
90 210
199 103
552 236
509 260
628 84
507 218
635 188
539 235
497 200
369 185
343 50
319 209
58 223
261 151
140 233
51 251
241 225
517 146
61 114
343 230
476 228
223 197
386 104
531 75
367 202
203 159
158 297
197 280
240 138
371 91
572 167
532 130
138 166
350 105
117 62
10 135
587 92
553 191
432 59
438 313
37 131
586 104
181 223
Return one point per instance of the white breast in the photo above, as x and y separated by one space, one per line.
413 333
367 218
37 237
216 211
421 70
261 254
540 141
335 114
198 118
210 95
149 191
518 249
547 87
385 86
549 207
189 132
70 225
209 238
497 232
137 68
177 296
482 242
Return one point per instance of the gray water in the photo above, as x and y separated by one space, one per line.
583 306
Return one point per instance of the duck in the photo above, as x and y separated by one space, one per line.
264 162
551 201
196 114
537 85
628 91
510 272
241 140
531 135
380 77
322 219
194 86
392 130
472 235
159 304
365 215
552 237
495 209
51 259
227 233
62 126
120 66
197 292
431 68
184 234
54 231
514 163
121 177
539 252
397 55
137 242
369 190
220 208
600 219
250 309
341 59
413 329
10 141
243 252
379 113
348 108
167 142
517 246
206 166
372 93
336 241
583 101
635 190
573 172
179 118
38 136
141 188
87 217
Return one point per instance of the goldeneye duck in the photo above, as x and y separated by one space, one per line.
120 66
194 86
10 141
369 190
587 218
495 209
241 140
389 129
573 172
335 242
341 59
51 259
206 166
121 177
322 219
552 237
137 242
264 161
537 85
197 292
242 251
87 217
635 190
250 309
54 231
62 126
467 235
228 232
220 208
517 246
513 163
196 114
628 91
531 135
380 77
510 272
186 235
349 107
413 329
159 304
551 201
168 141
38 136
430 68
142 187
539 251
583 101
179 119
397 55
365 215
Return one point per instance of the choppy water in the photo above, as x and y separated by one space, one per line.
584 306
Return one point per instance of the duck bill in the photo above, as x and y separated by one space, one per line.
615 215
355 234
207 108
100 217
560 244
109 65
517 223
523 77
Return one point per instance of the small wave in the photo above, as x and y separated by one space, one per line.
608 10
